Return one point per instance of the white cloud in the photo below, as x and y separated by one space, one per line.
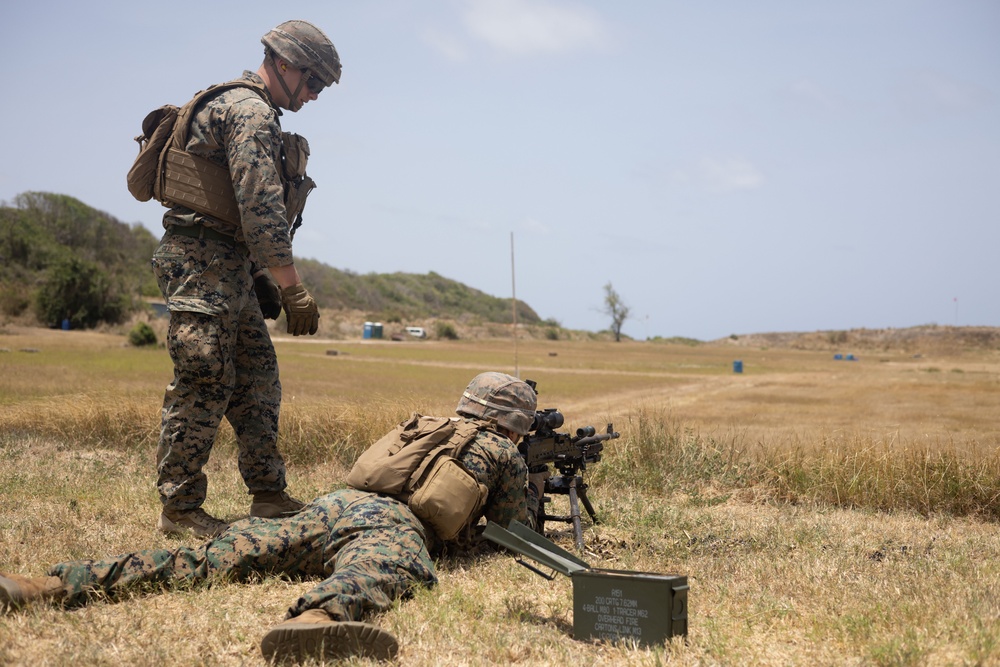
446 45
814 96
719 175
929 93
532 225
526 27
730 174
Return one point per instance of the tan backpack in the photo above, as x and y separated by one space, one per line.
163 129
164 171
416 463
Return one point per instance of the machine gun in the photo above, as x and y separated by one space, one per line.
570 456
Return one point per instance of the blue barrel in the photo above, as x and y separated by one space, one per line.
738 366
377 330
65 324
368 329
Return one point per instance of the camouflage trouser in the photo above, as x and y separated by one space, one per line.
224 365
370 549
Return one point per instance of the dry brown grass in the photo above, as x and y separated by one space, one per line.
825 512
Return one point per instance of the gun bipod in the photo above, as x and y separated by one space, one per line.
575 489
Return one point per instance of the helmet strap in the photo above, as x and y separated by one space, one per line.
293 98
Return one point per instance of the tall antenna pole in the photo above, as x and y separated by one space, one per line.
513 294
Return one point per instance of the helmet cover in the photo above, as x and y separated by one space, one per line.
305 46
500 398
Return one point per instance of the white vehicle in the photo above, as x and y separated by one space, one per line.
416 332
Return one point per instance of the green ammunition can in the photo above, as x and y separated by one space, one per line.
619 605
611 605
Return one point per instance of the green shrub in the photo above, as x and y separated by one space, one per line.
79 291
837 337
445 330
142 334
13 301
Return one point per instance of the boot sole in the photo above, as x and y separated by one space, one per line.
335 640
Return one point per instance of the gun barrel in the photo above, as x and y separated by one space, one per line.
586 442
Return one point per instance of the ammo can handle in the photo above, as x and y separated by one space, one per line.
549 576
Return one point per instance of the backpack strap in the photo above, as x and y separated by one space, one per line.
191 180
182 128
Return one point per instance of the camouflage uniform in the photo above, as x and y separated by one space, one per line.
224 361
370 549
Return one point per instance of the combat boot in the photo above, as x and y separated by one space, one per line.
198 521
273 504
313 634
17 591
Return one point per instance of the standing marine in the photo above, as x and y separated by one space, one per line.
236 186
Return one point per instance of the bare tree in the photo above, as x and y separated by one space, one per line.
616 309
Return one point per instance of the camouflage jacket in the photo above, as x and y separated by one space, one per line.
238 129
496 463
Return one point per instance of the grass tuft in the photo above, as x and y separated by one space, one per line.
659 456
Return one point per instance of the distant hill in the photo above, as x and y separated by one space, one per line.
406 296
928 338
42 234
56 250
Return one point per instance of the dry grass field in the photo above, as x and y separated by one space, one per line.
826 512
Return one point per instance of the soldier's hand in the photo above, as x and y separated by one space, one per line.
300 310
268 296
537 481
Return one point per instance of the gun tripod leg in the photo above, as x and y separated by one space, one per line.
586 503
574 512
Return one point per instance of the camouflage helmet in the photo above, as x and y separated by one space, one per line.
500 398
305 46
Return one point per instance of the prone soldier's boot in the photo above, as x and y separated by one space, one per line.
313 634
273 504
16 591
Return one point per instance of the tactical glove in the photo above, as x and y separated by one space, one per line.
268 296
537 481
301 310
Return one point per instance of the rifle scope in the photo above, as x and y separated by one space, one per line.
547 419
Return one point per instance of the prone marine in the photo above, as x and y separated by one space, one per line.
366 549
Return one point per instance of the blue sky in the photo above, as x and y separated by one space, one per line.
729 167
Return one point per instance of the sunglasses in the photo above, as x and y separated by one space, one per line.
313 83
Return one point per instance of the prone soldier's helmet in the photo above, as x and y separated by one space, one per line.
305 46
500 398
